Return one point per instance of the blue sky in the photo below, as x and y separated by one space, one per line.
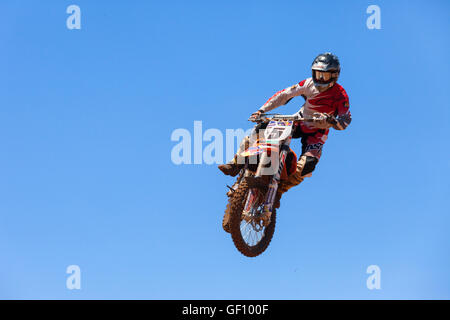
87 179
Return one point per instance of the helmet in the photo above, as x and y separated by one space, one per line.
325 69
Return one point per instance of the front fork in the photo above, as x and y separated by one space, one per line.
273 185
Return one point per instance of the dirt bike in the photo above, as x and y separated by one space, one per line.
250 211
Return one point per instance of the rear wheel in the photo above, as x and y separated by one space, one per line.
249 235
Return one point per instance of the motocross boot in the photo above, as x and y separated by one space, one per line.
231 168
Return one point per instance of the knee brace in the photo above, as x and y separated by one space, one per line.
305 166
309 165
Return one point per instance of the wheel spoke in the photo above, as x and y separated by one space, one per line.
252 231
248 232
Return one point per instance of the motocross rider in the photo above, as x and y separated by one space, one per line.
326 105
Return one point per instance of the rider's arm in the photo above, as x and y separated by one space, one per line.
343 115
282 97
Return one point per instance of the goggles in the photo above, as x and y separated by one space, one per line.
323 77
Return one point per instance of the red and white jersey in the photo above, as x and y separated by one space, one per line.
333 101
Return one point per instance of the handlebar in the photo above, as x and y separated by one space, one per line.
264 117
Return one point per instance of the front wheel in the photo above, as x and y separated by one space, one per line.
250 237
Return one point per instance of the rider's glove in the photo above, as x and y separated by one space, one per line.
322 120
342 121
256 115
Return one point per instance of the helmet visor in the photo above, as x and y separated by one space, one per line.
322 76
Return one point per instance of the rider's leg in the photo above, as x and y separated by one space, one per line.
233 167
311 152
305 167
